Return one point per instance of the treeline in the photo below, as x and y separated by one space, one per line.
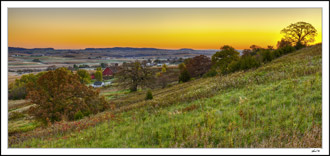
228 60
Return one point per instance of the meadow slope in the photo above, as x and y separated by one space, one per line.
277 105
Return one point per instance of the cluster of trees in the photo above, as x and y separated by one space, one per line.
83 66
254 57
77 67
102 65
60 95
227 60
21 71
202 65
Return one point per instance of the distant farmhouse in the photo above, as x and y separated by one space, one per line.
107 72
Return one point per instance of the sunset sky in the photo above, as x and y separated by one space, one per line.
158 27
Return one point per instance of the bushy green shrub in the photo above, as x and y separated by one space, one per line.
249 62
234 66
267 56
287 49
277 53
244 63
284 50
299 45
184 76
17 92
78 115
149 95
210 73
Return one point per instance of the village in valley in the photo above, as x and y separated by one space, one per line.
24 61
21 64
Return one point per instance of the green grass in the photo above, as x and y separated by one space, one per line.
276 105
22 125
115 94
238 118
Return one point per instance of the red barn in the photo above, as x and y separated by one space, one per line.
107 72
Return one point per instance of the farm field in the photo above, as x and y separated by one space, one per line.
26 62
278 105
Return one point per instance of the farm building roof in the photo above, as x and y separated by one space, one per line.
97 83
107 72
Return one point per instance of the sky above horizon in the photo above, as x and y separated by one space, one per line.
196 28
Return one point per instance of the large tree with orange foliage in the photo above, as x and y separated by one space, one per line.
59 95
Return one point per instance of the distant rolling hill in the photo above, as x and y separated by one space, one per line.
120 51
116 51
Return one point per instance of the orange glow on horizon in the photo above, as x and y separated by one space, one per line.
156 28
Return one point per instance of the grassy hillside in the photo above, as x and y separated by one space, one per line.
276 105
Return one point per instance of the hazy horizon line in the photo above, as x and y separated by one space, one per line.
109 48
